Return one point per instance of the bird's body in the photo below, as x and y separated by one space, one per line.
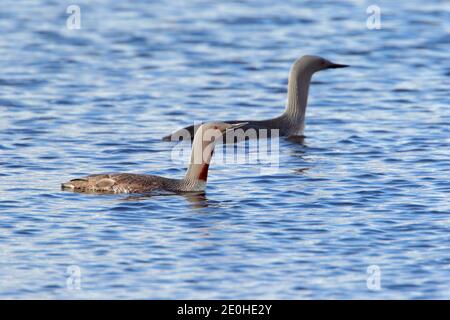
281 126
131 183
292 121
194 180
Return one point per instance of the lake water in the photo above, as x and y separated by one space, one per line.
367 190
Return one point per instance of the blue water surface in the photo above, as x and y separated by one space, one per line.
368 188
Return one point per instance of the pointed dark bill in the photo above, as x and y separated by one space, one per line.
337 65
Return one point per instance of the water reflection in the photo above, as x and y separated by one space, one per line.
297 139
195 199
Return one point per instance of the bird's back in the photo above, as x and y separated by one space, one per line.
121 183
252 130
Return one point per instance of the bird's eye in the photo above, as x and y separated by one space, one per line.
322 62
215 127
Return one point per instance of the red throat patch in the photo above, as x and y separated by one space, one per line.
203 175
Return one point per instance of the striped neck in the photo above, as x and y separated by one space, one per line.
298 88
202 152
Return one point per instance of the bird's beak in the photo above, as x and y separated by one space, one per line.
337 65
236 126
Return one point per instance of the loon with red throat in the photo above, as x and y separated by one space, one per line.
194 180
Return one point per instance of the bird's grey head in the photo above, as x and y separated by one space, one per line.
212 131
312 64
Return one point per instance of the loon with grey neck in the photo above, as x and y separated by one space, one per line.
292 121
194 180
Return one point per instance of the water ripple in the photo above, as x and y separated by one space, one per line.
369 185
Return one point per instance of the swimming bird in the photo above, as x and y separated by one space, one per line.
194 180
292 121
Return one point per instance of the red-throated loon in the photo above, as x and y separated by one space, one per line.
292 121
194 180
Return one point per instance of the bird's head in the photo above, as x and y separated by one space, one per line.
312 64
212 131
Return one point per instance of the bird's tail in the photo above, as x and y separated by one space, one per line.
75 184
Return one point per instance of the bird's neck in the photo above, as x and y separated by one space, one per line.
297 100
197 173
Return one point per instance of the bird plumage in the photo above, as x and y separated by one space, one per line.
291 122
194 180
